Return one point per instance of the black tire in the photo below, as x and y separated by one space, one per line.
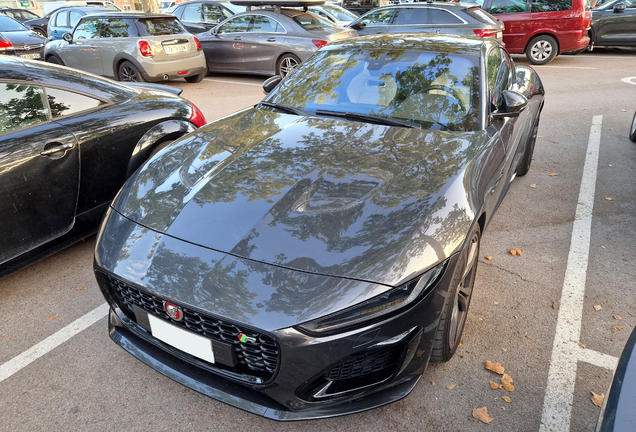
524 165
55 59
542 50
287 64
449 332
129 72
40 31
632 130
195 78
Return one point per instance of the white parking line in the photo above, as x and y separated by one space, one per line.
232 82
35 352
629 80
563 67
557 404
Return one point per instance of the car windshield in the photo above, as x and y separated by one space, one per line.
160 26
340 13
234 8
10 25
310 22
436 90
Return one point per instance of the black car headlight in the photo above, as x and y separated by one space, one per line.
379 306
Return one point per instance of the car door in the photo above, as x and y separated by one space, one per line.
84 52
375 22
39 170
262 43
223 46
517 20
617 26
117 35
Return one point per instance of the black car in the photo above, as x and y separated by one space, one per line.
19 15
449 18
68 141
17 40
306 257
201 16
614 24
39 25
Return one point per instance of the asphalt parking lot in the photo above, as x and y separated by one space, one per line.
556 317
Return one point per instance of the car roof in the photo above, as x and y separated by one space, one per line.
111 13
438 5
86 9
451 44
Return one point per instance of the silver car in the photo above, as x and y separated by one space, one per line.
268 41
131 47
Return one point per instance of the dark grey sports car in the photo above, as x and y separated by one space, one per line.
614 24
306 257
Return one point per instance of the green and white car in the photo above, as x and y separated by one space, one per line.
131 47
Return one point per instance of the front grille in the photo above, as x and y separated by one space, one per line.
259 359
35 49
365 364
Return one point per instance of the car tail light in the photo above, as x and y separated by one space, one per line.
145 49
5 45
319 43
197 43
484 33
197 116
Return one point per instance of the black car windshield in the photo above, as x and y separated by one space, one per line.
435 90
159 26
10 25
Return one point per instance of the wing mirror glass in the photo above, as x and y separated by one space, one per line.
358 25
512 105
619 7
271 83
68 37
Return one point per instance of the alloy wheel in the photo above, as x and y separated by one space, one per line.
541 50
464 292
287 65
128 74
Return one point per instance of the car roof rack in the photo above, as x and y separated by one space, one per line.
278 3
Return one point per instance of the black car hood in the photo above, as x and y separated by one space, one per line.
20 38
322 196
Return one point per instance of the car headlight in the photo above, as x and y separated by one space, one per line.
378 306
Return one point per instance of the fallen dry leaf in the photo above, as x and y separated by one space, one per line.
481 414
81 288
452 386
506 382
597 308
616 328
495 386
489 258
597 399
495 367
515 251
52 317
496 303
433 382
611 129
507 399
608 198
618 317
533 186
553 174
582 345
504 350
581 203
9 337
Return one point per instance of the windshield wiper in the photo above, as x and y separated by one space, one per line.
284 108
370 118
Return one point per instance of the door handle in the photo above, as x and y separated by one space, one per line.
237 38
56 149
272 39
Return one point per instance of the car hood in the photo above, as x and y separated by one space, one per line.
322 196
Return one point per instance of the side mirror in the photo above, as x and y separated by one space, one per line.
513 104
358 25
620 7
68 37
271 83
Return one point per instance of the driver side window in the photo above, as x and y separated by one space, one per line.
88 29
21 106
379 18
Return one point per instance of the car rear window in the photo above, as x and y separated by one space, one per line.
482 15
312 22
160 26
10 25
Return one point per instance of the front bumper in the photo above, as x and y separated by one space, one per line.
315 376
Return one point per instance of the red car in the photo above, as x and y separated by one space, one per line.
544 28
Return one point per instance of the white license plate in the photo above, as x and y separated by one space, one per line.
30 56
499 35
173 49
191 343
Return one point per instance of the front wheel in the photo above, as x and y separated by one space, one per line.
128 72
632 130
287 64
449 332
55 59
524 165
40 31
542 50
